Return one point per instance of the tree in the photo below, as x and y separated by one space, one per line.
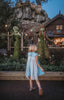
17 35
5 12
42 47
39 2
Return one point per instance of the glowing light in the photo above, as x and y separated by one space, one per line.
26 34
6 25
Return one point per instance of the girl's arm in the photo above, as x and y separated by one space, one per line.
38 64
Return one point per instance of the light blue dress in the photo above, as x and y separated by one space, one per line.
31 67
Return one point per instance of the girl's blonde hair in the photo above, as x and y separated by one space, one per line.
31 48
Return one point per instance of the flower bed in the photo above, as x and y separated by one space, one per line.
17 66
9 64
12 67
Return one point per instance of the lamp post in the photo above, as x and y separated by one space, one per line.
22 34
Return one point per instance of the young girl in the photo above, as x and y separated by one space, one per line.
33 68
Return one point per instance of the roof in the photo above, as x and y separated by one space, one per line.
53 19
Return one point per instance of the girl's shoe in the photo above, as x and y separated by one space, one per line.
40 92
32 89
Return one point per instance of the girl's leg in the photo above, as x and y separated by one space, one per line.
39 86
31 85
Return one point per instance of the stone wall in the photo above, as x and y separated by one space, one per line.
28 11
28 17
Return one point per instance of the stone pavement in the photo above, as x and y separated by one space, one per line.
19 90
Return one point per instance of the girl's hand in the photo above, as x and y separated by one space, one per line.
42 69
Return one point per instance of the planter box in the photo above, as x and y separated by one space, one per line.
19 75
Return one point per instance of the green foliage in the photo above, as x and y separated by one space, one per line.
12 64
42 48
17 66
53 68
39 2
17 36
16 48
5 11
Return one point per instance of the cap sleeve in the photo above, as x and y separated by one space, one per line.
29 53
36 54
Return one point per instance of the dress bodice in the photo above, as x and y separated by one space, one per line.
32 54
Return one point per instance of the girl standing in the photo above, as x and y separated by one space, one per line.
33 68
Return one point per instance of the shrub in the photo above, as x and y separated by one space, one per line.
42 48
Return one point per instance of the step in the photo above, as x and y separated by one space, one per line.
19 75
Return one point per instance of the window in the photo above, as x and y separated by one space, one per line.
59 27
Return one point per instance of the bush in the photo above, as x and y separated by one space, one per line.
11 64
16 53
42 48
53 68
16 66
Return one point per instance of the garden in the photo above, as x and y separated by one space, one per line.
17 61
10 64
13 24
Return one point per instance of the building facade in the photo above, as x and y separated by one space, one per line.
55 31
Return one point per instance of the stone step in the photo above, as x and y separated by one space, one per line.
19 75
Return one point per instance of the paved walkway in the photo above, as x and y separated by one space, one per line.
19 90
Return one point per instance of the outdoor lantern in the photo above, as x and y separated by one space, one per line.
26 34
6 25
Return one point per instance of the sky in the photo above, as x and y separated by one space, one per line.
52 7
